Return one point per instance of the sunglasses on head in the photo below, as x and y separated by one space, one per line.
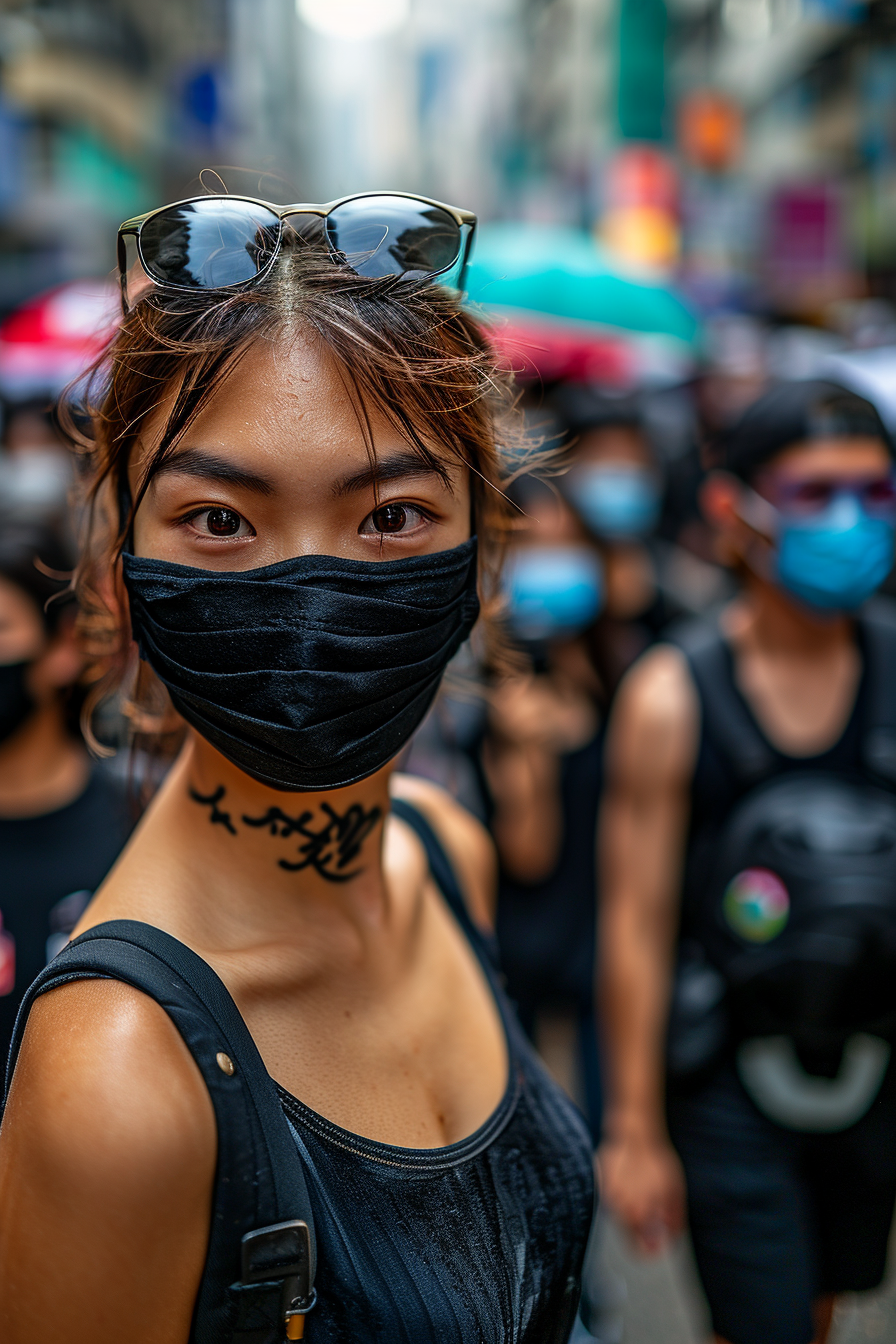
224 242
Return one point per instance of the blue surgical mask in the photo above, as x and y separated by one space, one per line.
617 501
835 559
552 591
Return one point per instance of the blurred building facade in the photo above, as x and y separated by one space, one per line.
809 199
109 106
772 124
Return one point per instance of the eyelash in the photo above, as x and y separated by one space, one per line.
222 508
423 515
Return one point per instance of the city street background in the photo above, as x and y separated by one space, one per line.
723 172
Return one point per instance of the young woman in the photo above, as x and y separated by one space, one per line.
293 459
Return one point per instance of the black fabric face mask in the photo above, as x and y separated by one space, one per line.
15 701
311 673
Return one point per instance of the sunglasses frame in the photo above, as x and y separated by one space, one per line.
464 219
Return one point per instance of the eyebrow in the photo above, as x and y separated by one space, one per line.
211 467
397 467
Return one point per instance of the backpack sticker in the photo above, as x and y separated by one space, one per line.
756 905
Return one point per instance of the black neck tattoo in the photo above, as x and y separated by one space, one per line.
217 816
329 847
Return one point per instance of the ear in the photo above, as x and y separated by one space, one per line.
719 499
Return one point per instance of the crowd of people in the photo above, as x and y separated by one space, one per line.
419 792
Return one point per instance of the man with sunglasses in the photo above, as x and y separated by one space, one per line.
748 935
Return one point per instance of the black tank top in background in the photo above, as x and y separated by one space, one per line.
546 930
717 786
50 866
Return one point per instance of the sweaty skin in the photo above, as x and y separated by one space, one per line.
799 672
362 994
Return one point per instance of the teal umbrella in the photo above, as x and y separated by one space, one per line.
563 273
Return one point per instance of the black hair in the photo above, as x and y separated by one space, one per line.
798 412
582 407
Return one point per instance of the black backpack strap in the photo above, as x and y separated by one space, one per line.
878 626
261 1259
725 717
445 878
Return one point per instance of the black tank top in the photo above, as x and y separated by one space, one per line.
717 784
546 930
478 1243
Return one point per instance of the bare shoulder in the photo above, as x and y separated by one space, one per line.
655 723
466 840
106 1095
107 1162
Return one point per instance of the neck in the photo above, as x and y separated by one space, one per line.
769 619
41 767
304 851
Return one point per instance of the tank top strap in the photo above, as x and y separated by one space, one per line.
445 878
726 719
261 1257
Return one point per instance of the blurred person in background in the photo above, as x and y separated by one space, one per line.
63 818
748 930
36 472
615 485
541 759
733 372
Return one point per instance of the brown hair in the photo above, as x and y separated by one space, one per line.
404 349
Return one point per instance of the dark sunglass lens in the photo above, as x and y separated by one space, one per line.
812 496
880 494
209 244
394 235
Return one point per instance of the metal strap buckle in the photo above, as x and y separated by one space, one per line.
282 1252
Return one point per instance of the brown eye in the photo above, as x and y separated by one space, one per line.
223 522
389 518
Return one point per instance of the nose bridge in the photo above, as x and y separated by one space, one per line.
289 210
310 522
846 509
307 222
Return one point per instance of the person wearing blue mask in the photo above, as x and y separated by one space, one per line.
553 592
615 486
541 765
748 914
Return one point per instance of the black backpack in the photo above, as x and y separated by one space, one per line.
259 1274
792 937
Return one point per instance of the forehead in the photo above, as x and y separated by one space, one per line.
288 399
853 456
549 519
619 442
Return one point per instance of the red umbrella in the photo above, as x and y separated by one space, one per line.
537 346
533 346
51 339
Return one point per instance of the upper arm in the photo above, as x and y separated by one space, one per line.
107 1160
467 843
652 742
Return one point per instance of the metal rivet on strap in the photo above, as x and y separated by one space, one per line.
225 1063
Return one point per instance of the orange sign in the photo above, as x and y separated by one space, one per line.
710 130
